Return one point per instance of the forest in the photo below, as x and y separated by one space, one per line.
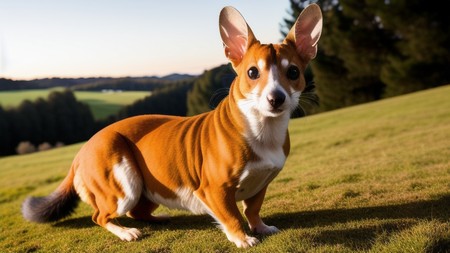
372 49
369 50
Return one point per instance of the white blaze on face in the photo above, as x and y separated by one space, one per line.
272 85
284 63
261 64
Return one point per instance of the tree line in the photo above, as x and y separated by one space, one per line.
58 119
169 100
96 83
376 49
61 119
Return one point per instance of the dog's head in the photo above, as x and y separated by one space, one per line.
269 76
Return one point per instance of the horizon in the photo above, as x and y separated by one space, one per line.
113 39
102 77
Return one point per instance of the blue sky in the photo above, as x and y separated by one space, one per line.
88 38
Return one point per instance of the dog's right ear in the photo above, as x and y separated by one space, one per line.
236 34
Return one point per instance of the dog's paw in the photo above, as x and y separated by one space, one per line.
263 229
124 233
247 242
130 234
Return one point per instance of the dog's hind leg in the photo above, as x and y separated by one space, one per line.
109 180
104 219
130 183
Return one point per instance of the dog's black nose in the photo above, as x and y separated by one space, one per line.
276 98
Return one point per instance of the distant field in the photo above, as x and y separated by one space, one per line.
105 104
101 104
369 178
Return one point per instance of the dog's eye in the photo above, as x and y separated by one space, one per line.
293 73
253 73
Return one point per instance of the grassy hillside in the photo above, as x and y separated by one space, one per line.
370 178
101 104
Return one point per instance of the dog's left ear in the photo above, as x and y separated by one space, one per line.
236 34
306 32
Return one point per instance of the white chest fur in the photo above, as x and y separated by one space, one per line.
266 137
258 174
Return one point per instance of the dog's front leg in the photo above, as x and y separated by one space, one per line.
252 206
221 203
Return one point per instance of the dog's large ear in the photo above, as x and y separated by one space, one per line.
236 34
306 32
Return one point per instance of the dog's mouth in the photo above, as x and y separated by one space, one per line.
275 112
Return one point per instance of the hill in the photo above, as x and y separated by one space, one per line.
368 178
145 83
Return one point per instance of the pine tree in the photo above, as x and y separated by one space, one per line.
47 119
421 55
209 89
74 120
5 134
296 7
24 123
372 49
352 47
171 100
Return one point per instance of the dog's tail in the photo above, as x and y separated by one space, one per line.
55 206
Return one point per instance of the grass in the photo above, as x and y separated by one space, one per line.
101 104
369 178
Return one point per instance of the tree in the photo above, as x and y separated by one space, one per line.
209 89
48 120
29 124
372 49
20 123
74 120
170 100
5 134
421 36
296 6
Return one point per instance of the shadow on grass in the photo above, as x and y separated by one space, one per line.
385 220
199 222
388 219
432 209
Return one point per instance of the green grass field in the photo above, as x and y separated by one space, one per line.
101 104
369 178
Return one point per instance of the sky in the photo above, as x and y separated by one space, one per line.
117 38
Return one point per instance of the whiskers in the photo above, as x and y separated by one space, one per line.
218 96
308 101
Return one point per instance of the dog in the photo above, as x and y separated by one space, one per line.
205 163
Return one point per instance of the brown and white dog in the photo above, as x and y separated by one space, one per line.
204 163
